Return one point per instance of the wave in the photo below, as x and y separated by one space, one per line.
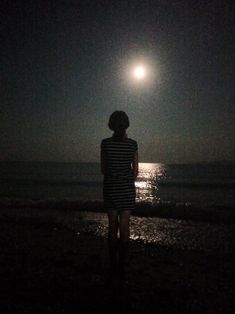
51 182
197 184
167 209
55 182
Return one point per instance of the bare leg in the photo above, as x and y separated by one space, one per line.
124 240
113 238
124 225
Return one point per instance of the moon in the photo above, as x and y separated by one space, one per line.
139 72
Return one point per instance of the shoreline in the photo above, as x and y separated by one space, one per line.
211 214
171 232
47 267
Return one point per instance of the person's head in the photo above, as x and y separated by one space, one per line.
119 122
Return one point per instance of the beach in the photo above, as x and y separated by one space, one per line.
60 265
117 105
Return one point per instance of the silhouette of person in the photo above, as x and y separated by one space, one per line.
119 165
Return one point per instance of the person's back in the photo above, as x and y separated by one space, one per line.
118 156
119 164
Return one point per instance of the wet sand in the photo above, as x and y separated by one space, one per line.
48 267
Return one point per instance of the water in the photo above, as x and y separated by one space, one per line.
197 184
177 233
201 185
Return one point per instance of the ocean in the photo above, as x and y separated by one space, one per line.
193 205
203 185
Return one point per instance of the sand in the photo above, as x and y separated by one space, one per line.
47 267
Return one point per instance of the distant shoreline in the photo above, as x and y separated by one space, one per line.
218 162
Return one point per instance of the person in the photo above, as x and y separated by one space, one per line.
119 165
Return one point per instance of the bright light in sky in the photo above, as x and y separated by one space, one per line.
139 72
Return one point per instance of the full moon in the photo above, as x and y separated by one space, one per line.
139 72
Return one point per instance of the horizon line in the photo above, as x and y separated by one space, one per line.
220 161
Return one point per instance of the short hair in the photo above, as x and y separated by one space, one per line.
118 121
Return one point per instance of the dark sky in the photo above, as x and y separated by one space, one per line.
63 67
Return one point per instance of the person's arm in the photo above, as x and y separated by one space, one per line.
102 162
135 165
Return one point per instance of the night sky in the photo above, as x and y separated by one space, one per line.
64 69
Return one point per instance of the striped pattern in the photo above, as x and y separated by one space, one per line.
119 187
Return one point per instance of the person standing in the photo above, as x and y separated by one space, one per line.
119 165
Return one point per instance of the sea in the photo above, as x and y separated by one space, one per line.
29 189
201 185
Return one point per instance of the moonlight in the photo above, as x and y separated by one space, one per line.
139 72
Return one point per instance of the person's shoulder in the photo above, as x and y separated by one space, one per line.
133 144
132 141
106 140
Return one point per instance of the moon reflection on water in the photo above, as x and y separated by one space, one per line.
147 182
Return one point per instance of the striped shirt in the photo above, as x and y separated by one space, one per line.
118 156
